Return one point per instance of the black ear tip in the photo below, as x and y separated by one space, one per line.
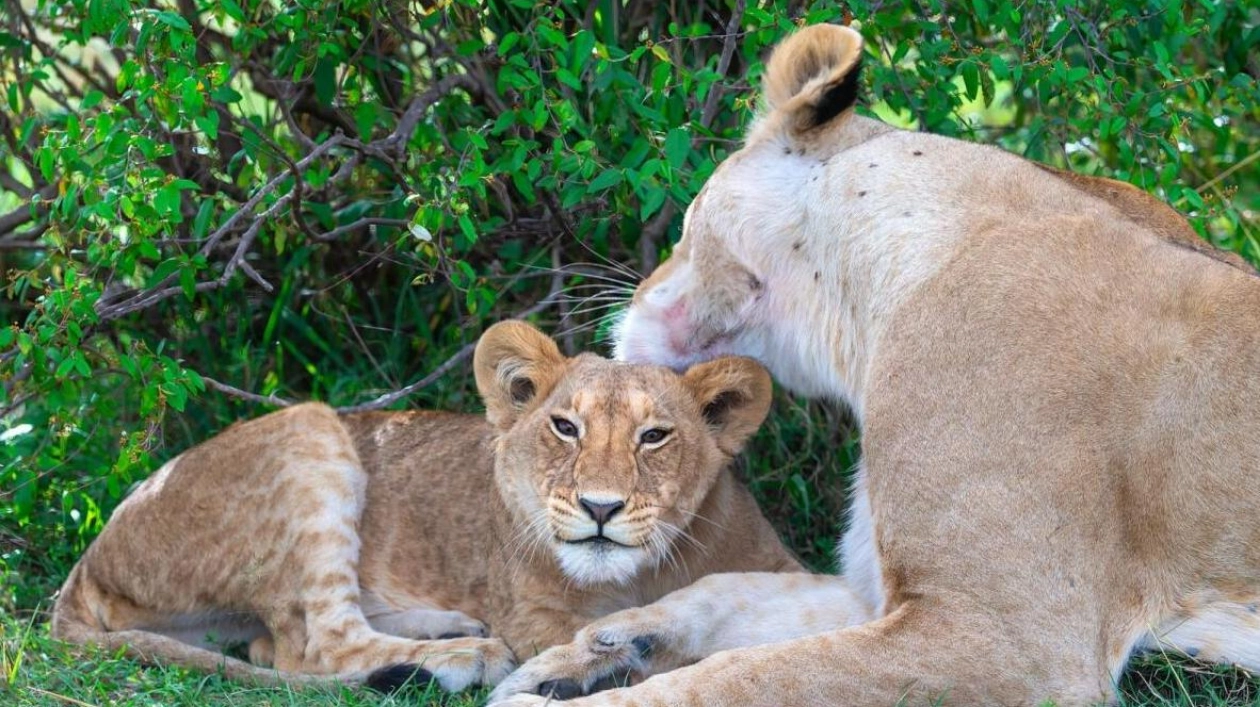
393 678
838 97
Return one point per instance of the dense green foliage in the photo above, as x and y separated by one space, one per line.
330 200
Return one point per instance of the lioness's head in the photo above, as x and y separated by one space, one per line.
604 462
755 248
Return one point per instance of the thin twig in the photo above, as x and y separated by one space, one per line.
392 397
458 357
654 229
361 223
107 311
1233 168
235 392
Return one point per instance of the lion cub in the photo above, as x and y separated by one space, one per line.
341 545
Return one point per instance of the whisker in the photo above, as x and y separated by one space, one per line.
610 264
572 271
692 515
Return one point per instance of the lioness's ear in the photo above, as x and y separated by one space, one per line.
516 366
734 396
812 76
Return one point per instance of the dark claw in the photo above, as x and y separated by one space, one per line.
644 645
395 677
452 634
562 689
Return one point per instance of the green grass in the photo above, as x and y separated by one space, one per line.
798 467
37 671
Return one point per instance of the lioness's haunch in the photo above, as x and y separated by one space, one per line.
338 545
1056 385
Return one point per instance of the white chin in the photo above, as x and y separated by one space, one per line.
638 339
588 564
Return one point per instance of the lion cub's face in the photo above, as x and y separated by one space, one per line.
607 464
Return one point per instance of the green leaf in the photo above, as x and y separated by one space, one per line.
325 77
677 147
209 124
365 116
971 79
173 20
91 99
508 41
233 9
607 179
568 78
652 202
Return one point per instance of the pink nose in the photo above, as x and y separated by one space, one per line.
601 513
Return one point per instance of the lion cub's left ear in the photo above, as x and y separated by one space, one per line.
734 395
812 76
516 366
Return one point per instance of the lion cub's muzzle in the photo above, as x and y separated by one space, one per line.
598 520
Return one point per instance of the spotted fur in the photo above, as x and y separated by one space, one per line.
361 548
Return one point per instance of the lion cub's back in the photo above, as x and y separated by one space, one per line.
427 528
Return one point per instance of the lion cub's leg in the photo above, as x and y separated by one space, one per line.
310 598
1217 632
421 621
717 613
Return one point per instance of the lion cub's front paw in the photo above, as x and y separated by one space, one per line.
598 659
470 661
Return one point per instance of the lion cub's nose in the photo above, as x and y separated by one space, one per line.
601 512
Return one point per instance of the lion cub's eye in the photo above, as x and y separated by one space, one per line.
654 435
564 428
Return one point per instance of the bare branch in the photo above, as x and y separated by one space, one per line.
235 392
364 222
27 212
398 139
724 63
26 240
109 310
653 230
390 398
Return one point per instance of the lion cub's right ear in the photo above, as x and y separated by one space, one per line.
734 395
812 76
516 366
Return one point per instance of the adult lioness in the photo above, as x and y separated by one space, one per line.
1055 384
340 545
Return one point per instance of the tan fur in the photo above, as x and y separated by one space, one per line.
336 545
1055 382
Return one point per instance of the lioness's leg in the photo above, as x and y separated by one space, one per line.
1220 632
717 613
922 653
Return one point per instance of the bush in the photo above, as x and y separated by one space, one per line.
213 206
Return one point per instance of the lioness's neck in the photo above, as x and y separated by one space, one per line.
859 251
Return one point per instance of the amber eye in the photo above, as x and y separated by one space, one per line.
654 435
564 428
